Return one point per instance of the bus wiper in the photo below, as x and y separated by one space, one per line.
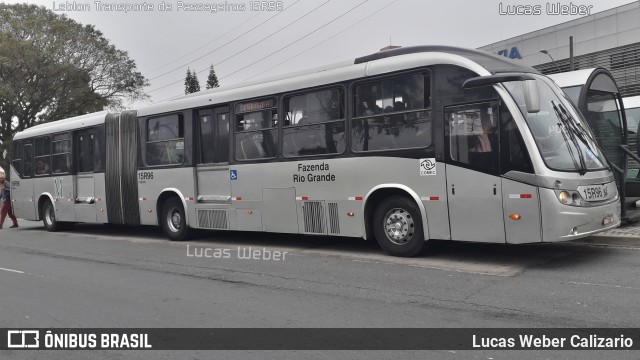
583 134
566 126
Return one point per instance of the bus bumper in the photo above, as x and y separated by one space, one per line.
563 222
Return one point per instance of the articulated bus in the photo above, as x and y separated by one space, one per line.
401 146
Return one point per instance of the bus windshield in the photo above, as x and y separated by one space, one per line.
563 137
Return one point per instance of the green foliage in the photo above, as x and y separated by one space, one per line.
212 80
191 83
187 82
52 68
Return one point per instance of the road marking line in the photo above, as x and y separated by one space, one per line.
11 270
604 285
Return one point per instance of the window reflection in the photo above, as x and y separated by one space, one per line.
390 114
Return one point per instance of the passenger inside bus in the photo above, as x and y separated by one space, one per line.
42 167
483 141
483 144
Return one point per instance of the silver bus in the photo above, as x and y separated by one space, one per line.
401 146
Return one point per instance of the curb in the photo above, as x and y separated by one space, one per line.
621 240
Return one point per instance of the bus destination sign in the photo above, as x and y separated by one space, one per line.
255 105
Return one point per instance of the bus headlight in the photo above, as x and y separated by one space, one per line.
569 197
564 197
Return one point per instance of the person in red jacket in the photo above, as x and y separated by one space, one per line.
5 196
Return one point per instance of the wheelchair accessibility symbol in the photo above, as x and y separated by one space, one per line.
233 174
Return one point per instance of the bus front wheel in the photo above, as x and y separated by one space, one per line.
398 227
173 220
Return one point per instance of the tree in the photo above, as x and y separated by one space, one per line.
52 68
212 80
188 80
191 83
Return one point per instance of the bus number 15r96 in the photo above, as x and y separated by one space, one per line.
145 175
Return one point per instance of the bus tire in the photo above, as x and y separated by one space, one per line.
49 217
397 226
173 220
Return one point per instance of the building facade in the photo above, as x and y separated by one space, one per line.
609 39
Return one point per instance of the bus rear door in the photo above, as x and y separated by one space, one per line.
84 184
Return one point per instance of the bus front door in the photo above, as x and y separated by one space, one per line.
474 187
24 204
213 175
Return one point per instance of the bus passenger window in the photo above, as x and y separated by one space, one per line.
473 135
514 155
27 152
61 158
16 155
256 130
315 124
165 140
43 155
392 114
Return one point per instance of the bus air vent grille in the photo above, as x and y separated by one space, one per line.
314 217
334 220
212 219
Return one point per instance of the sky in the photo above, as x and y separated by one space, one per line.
247 42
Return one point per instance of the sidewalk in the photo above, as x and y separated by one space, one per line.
627 235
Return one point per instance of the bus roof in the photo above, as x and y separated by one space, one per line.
58 126
493 63
483 63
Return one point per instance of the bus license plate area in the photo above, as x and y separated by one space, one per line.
597 192
607 219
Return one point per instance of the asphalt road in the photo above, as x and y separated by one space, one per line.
98 276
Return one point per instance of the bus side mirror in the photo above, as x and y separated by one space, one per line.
531 96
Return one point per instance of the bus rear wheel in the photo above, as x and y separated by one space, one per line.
398 227
49 217
173 220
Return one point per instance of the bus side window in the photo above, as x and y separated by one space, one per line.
316 123
28 160
165 140
61 158
256 135
473 136
392 114
16 154
514 152
43 155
